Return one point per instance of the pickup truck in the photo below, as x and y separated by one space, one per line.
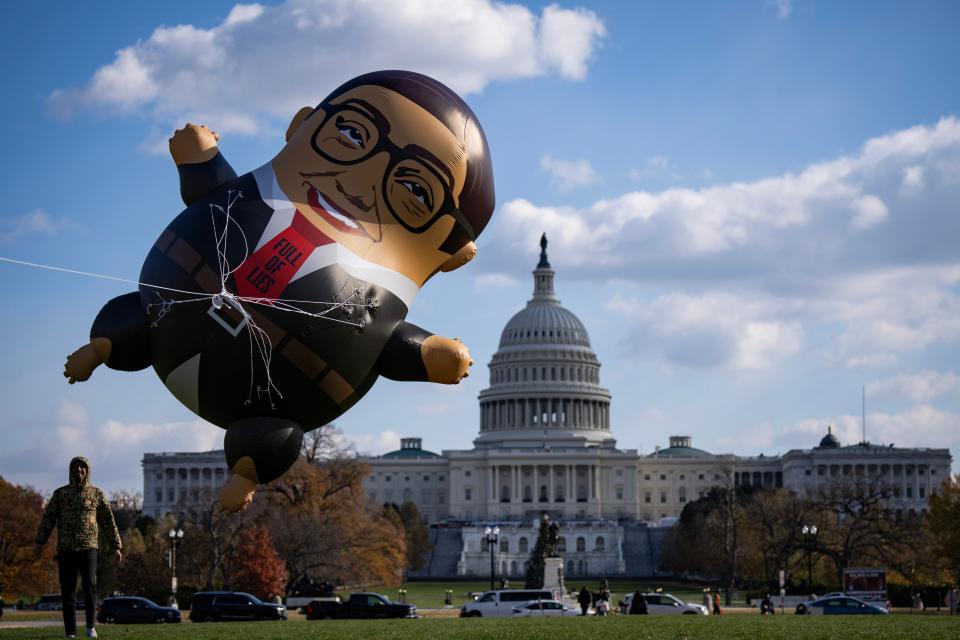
360 605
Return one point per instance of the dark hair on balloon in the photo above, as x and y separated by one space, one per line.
477 198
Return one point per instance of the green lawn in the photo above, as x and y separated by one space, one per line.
900 627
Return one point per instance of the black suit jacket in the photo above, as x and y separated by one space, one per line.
308 369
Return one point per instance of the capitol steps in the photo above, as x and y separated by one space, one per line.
642 548
443 557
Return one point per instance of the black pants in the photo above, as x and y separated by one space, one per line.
69 563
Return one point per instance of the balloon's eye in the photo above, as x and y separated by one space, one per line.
418 192
351 134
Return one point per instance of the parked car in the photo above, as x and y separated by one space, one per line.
49 602
232 605
839 605
502 601
666 604
360 606
133 609
537 608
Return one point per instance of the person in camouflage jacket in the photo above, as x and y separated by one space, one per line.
79 511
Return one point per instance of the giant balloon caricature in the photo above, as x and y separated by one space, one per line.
273 302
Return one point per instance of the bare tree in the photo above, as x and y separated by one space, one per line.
852 515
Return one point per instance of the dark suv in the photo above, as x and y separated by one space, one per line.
131 609
232 605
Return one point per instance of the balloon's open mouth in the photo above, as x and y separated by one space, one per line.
335 216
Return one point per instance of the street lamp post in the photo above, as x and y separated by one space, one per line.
809 538
491 536
175 536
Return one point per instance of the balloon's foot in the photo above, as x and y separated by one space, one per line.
237 494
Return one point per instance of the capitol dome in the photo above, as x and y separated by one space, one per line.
544 378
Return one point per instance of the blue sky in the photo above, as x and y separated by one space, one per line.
751 205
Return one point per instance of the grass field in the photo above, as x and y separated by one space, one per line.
900 627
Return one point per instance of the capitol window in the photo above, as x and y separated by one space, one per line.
581 544
467 493
600 544
387 479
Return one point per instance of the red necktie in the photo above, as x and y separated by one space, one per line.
267 272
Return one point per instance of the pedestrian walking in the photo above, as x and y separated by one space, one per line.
953 601
584 599
638 605
707 603
78 510
716 603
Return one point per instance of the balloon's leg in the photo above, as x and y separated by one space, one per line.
258 450
237 494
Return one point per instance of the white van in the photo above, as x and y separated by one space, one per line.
502 601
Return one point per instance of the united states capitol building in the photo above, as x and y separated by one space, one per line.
545 445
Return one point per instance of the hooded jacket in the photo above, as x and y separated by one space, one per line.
78 510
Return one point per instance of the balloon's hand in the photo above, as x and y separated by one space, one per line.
447 361
193 144
81 363
119 555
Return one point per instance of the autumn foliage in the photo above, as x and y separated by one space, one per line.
257 567
21 572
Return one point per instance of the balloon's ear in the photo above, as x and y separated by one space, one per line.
298 120
460 258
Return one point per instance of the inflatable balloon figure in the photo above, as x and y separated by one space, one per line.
273 302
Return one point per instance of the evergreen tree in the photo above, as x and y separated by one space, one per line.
535 567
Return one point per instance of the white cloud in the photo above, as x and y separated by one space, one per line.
486 280
37 221
765 215
918 426
244 13
919 387
870 211
376 443
568 174
568 39
912 179
711 330
836 249
784 8
263 63
660 167
114 448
